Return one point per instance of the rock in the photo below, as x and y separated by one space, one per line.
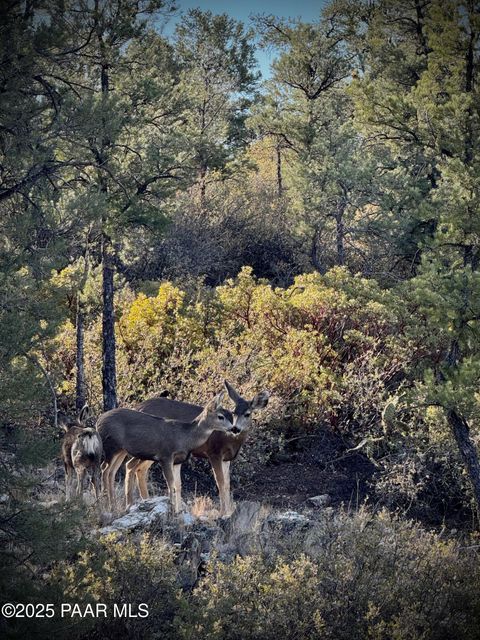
145 515
207 535
319 501
189 559
105 518
289 517
49 503
285 524
188 519
244 519
252 528
145 505
240 531
284 533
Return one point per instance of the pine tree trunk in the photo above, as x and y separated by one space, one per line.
467 451
340 237
279 171
202 179
80 395
315 252
109 377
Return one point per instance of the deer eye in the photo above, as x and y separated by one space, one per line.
247 414
220 417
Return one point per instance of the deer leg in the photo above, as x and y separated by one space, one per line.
106 481
142 474
71 483
130 473
107 468
109 473
169 475
218 472
68 482
227 496
80 476
96 481
177 474
117 463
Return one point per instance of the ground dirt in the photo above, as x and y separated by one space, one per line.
308 466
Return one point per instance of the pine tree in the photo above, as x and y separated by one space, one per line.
420 96
216 57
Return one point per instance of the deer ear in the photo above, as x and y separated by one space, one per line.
218 399
260 401
215 402
84 413
233 395
62 422
63 426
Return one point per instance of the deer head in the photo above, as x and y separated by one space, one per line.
78 422
215 416
242 414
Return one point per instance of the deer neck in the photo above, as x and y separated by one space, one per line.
200 431
242 436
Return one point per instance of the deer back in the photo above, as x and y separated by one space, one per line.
141 435
170 409
175 410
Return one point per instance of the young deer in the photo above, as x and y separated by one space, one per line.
154 439
220 448
81 453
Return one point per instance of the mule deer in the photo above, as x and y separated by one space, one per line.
221 448
81 453
151 438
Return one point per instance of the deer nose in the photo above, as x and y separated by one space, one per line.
235 429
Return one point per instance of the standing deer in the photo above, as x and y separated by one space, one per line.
81 453
221 448
154 439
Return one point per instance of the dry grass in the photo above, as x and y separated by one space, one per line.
203 508
51 490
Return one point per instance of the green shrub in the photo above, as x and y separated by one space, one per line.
247 599
118 572
364 576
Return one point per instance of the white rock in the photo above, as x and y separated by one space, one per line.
140 515
143 515
319 501
290 516
188 519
